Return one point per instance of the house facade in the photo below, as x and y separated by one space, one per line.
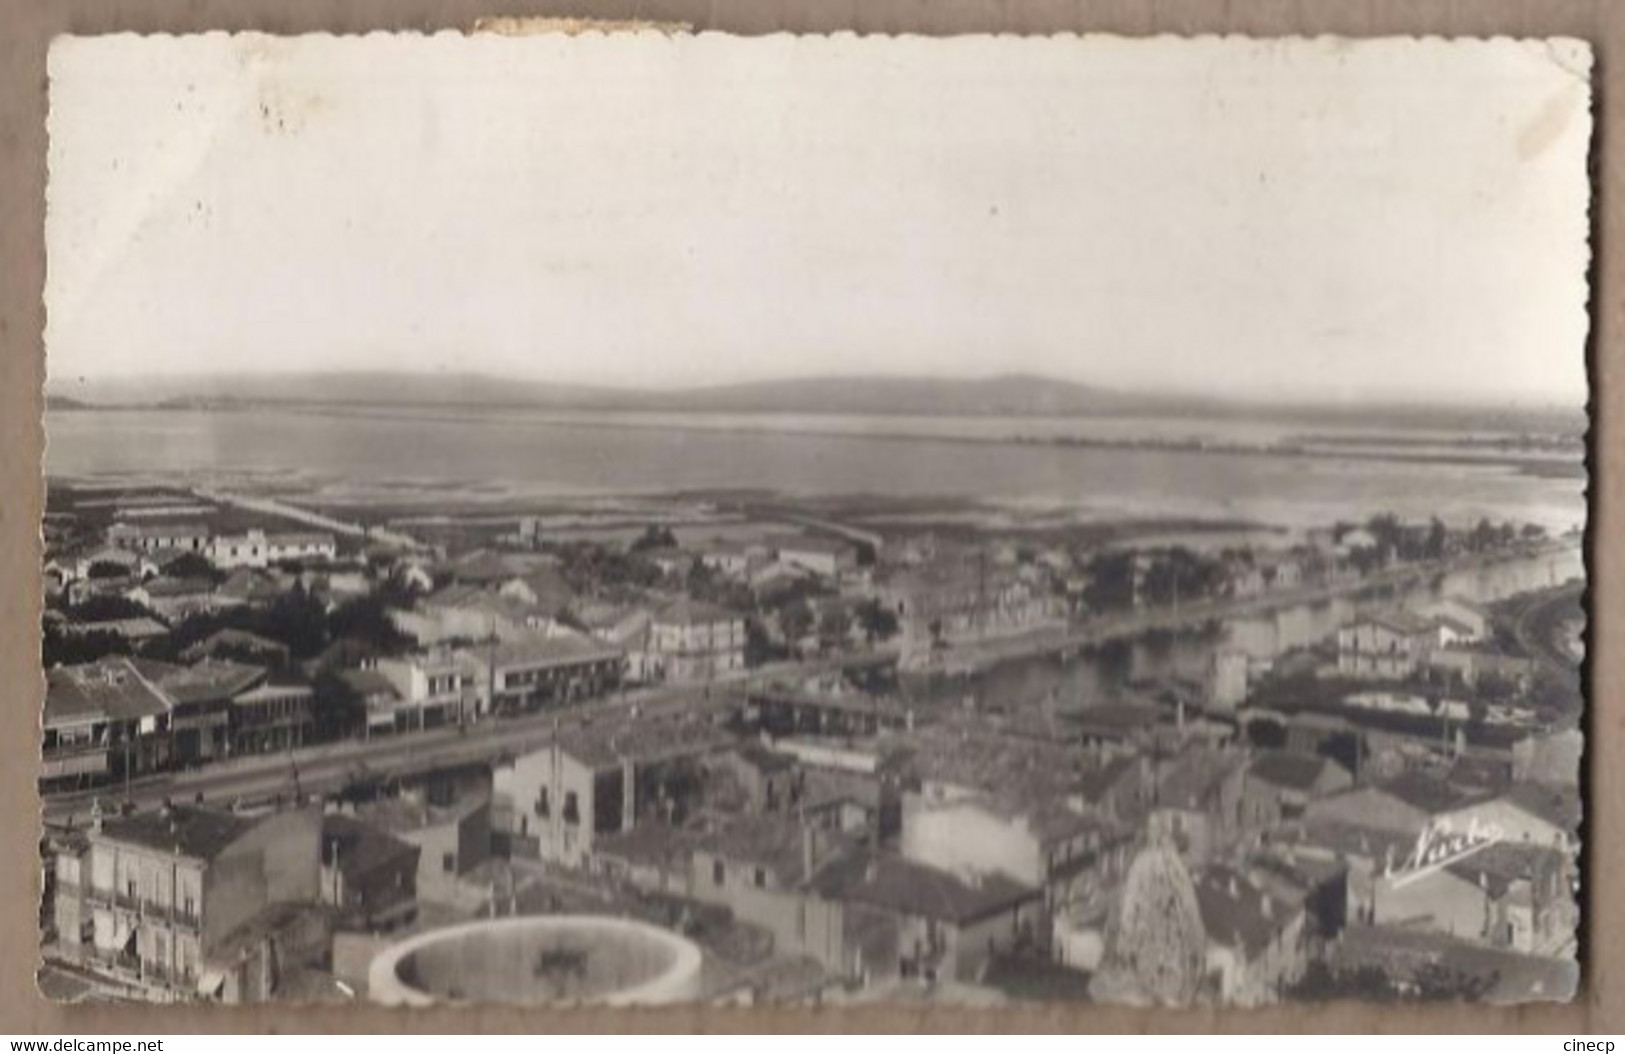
259 549
159 896
692 641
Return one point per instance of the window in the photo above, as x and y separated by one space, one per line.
544 808
448 862
572 811
760 878
719 872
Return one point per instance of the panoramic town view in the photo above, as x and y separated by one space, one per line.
810 575
846 746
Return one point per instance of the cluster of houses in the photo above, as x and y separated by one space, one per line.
856 843
871 850
1449 637
188 901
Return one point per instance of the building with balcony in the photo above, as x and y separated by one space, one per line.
525 675
103 721
154 900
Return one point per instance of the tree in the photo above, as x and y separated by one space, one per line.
1434 547
1111 584
366 620
759 647
1179 574
1266 735
68 649
298 620
833 624
192 565
336 708
654 536
1384 527
701 580
877 620
107 609
104 569
796 619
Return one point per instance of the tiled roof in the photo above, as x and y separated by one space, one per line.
1560 807
1192 777
141 628
771 842
976 755
544 651
764 758
1402 622
647 843
367 682
206 681
1283 769
180 829
1238 913
248 584
359 848
690 612
1115 719
812 543
903 887
177 587
480 566
1356 840
111 687
612 740
1498 866
234 638
1095 780
1430 794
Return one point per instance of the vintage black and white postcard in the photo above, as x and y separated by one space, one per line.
646 517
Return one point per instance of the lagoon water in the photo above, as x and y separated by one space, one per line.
553 454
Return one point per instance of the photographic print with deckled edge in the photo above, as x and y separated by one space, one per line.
641 518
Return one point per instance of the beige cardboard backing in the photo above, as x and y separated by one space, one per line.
29 24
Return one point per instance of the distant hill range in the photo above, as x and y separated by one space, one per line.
1011 395
1017 395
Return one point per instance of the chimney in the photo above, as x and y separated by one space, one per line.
809 854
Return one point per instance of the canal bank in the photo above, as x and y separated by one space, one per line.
1098 661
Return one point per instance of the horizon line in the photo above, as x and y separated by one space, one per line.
1282 398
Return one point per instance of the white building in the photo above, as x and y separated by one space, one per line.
692 641
257 548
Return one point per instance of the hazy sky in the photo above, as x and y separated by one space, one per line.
1279 218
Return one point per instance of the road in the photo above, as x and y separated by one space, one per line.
1538 627
330 767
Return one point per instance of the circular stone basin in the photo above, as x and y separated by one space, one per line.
538 959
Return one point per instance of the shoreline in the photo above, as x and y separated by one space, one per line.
1290 446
